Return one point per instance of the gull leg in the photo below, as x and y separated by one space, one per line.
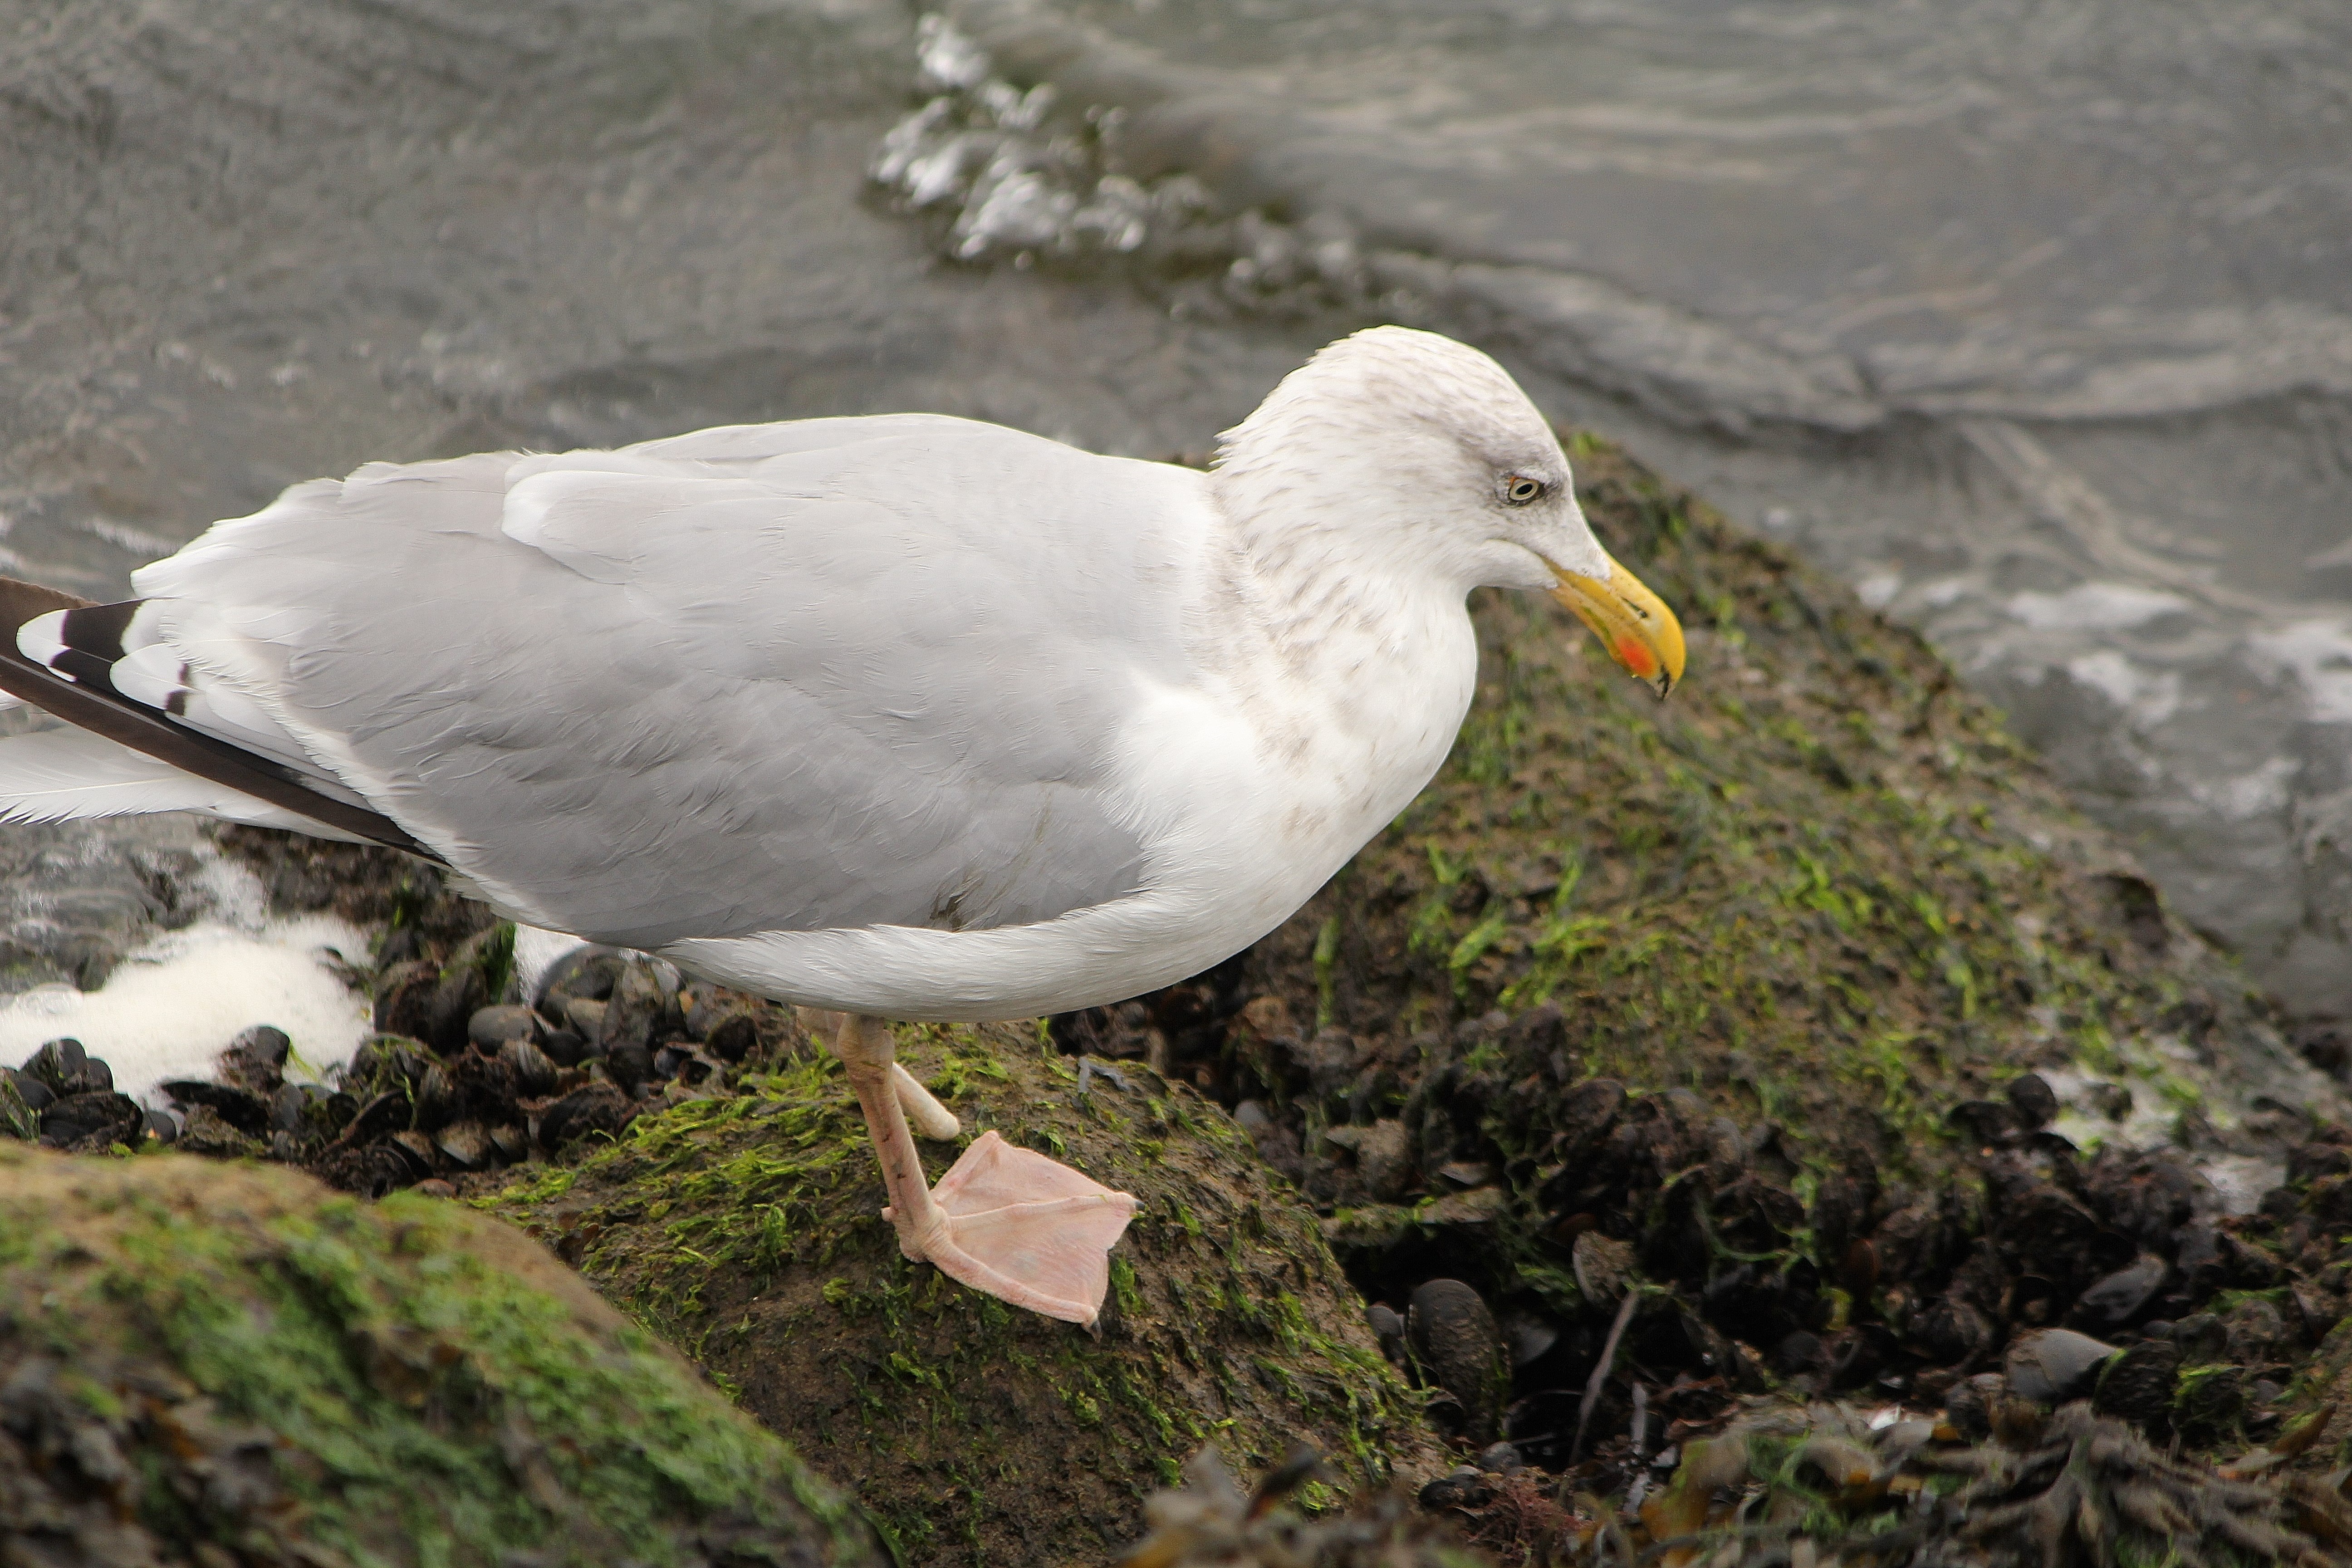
931 1120
1004 1220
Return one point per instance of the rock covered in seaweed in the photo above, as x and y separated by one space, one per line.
208 1363
748 1228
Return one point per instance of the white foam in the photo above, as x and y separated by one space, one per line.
172 1006
2319 654
2094 607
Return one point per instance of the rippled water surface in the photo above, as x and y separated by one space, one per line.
2035 320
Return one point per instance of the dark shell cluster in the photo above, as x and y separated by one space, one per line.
1586 1276
460 1078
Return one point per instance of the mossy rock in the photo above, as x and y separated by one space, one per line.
219 1365
1819 886
746 1229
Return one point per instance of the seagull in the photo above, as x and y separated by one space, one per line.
903 717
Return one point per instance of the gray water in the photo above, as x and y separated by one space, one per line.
2033 319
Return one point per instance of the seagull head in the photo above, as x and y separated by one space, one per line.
1414 450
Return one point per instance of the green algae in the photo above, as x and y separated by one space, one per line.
402 1383
1820 885
746 1229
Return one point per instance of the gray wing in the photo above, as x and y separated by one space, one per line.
842 673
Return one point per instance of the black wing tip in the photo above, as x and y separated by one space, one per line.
96 706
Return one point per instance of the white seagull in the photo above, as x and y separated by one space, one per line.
904 716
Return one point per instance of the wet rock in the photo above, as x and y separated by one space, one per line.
2137 1386
255 1059
1458 1347
1530 1338
206 1131
241 1107
63 1068
1388 1328
599 1108
1384 1161
493 1025
812 1299
162 1127
19 1118
2032 1100
2257 1333
2208 1402
2051 1367
289 1109
92 1120
231 1412
2114 1299
433 1187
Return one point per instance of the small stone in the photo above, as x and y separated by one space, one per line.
433 1187
404 997
491 1028
1459 1348
511 1144
2051 1367
586 1016
1968 1405
2033 1100
1464 1174
564 1047
1464 1488
383 1113
161 1126
1253 1119
2117 1298
1500 1458
1388 1328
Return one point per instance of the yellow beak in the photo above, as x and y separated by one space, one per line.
1632 623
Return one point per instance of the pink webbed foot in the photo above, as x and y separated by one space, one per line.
1032 1233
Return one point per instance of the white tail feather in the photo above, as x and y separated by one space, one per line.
56 775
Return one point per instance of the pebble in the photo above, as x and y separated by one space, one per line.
2051 1367
1458 1347
492 1026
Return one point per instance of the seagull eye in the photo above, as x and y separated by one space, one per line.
1518 489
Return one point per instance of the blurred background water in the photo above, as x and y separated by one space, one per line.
2034 320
